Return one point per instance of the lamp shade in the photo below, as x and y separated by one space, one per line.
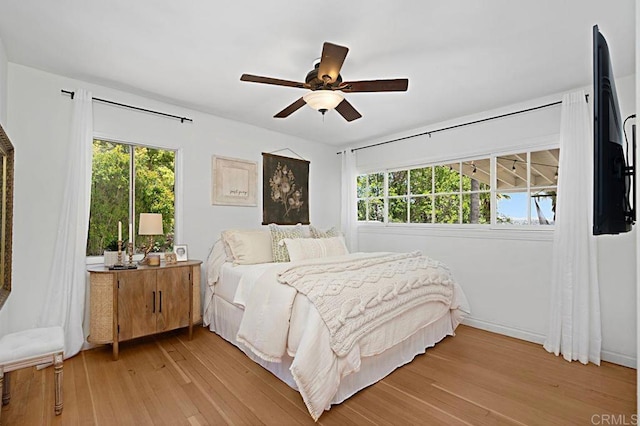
150 224
323 99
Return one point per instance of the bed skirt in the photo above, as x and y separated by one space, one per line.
226 319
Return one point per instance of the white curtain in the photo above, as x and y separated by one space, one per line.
349 212
64 304
574 328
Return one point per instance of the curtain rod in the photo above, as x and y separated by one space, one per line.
461 125
182 119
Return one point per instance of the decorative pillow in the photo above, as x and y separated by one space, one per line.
317 233
311 248
249 246
227 249
306 232
278 234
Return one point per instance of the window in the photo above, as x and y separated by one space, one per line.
523 185
527 187
128 180
371 197
476 191
398 201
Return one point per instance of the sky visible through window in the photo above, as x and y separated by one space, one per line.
515 207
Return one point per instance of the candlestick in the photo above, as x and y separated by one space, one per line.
119 231
130 251
130 232
119 253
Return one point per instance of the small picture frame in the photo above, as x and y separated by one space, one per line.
170 258
181 252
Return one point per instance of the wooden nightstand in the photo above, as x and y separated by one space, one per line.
126 304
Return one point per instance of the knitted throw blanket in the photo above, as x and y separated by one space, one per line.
354 297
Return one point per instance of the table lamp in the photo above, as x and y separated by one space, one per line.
150 224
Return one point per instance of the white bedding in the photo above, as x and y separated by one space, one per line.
302 338
236 281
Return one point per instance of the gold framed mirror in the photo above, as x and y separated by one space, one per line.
6 214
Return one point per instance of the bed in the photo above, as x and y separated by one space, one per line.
305 319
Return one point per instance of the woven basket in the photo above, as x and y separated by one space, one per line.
101 308
196 314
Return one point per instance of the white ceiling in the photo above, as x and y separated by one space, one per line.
461 57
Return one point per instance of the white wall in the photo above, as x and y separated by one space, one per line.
505 273
39 117
3 84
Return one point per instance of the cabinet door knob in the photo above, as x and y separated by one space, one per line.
160 310
154 303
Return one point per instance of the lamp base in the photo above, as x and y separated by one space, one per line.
146 249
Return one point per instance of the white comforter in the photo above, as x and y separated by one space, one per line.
279 320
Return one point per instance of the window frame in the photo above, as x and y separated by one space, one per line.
177 190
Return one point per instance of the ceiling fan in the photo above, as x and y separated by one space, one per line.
325 84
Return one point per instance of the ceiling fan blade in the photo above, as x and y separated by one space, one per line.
396 85
291 109
332 59
269 80
346 110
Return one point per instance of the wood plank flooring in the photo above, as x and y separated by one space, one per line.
474 378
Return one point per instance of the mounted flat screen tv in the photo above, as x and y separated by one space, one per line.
613 212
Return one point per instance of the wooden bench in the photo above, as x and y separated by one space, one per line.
29 348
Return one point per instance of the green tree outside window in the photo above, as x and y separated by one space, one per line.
151 178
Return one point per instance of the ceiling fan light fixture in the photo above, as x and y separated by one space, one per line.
323 99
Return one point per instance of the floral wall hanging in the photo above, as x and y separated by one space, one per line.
285 196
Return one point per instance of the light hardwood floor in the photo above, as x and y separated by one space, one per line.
476 378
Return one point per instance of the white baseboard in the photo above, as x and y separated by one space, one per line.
619 359
609 356
505 330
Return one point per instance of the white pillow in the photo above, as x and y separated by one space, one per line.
249 246
311 248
